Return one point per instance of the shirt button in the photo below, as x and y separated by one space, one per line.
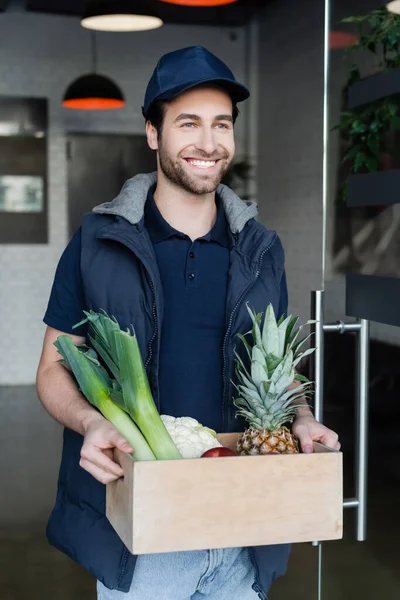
191 254
191 276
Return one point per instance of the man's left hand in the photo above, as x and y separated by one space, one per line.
309 430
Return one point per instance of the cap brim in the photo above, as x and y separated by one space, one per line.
237 91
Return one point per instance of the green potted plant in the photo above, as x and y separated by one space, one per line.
372 101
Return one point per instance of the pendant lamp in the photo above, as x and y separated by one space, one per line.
120 16
93 91
342 39
199 2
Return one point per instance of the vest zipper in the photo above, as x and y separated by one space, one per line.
224 359
155 332
124 560
125 242
150 355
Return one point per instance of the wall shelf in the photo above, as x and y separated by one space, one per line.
374 88
374 298
374 189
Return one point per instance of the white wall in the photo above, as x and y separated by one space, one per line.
39 56
291 140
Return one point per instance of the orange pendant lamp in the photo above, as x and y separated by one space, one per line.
342 39
199 2
93 91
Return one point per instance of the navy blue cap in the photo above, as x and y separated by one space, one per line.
181 70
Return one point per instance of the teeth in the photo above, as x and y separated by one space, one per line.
202 163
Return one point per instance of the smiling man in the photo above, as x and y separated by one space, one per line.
177 255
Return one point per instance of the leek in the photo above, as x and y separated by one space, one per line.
138 400
96 385
102 339
130 390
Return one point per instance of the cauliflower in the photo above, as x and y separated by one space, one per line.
190 437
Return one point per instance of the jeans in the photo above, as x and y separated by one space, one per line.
222 574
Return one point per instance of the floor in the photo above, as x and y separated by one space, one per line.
31 570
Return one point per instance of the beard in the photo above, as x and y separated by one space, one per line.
200 184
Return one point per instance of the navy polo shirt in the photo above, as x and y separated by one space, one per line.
194 278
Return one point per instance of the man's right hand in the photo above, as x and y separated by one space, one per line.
62 399
100 439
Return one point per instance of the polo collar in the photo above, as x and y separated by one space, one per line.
159 229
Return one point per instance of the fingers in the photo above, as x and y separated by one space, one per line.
307 435
330 439
101 466
305 440
97 453
120 442
97 472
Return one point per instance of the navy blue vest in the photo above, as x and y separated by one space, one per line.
120 275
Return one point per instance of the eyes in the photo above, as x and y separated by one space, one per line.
193 125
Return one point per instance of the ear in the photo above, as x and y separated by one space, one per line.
152 136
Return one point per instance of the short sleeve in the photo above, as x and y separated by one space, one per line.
67 303
283 297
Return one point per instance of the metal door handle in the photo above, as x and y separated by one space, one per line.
359 502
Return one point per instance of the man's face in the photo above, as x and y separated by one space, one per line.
196 145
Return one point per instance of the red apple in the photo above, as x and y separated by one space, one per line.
219 451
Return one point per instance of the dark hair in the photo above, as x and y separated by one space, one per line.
156 113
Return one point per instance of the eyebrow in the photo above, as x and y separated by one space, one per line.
190 117
186 117
224 118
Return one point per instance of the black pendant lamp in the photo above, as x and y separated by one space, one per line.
120 15
93 91
200 2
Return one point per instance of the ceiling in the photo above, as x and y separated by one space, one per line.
232 15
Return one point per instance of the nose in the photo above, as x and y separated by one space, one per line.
207 142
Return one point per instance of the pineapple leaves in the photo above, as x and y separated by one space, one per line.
282 328
281 319
296 333
247 402
256 318
303 355
241 369
283 375
248 393
266 386
258 356
246 344
272 362
290 328
301 378
297 346
258 373
270 333
266 397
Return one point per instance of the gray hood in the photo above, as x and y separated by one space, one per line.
131 200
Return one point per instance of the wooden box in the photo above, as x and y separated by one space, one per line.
202 503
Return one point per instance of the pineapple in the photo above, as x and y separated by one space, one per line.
264 398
